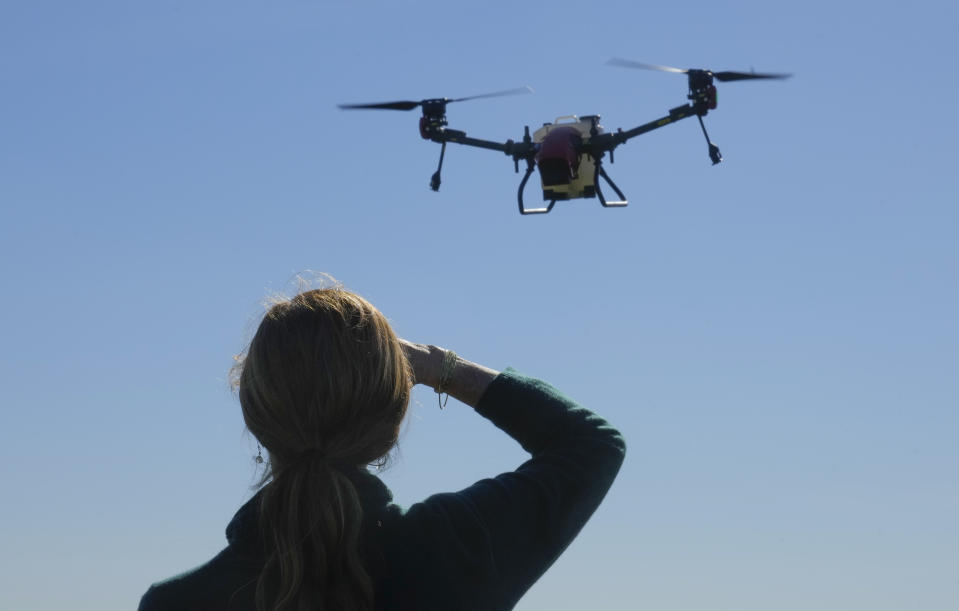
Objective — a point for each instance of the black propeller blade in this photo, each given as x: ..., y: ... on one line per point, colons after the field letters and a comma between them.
x: 742, y: 76
x: 410, y: 105
x: 384, y: 106
x: 719, y: 76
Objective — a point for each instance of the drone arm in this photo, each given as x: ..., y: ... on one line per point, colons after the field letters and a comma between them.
x: 518, y: 150
x: 460, y: 137
x: 675, y: 114
x: 607, y: 142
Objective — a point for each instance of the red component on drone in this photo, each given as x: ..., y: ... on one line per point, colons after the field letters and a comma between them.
x: 557, y: 157
x: 712, y: 96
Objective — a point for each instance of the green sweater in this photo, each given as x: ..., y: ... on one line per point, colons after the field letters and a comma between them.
x: 479, y: 548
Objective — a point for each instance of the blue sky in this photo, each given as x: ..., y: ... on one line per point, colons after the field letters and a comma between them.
x: 776, y: 336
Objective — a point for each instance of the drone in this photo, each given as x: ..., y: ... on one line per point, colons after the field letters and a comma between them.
x: 569, y: 152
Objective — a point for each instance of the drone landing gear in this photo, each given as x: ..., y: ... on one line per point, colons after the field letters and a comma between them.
x: 530, y: 166
x: 714, y: 155
x: 435, y: 179
x: 599, y: 171
x: 599, y: 192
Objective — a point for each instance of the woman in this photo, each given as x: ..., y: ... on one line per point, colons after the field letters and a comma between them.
x: 324, y: 388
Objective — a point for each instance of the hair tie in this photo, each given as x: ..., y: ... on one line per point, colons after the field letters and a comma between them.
x: 322, y: 456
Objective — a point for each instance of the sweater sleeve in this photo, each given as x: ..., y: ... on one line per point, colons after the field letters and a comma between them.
x: 516, y: 524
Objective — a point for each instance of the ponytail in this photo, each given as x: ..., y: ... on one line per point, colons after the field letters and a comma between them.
x: 310, y: 518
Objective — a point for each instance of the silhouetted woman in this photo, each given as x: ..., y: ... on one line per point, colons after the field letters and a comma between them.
x: 324, y: 388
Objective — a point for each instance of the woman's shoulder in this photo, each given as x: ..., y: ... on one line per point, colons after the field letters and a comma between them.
x: 227, y: 577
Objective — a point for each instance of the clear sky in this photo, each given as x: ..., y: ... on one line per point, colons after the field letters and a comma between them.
x: 776, y: 336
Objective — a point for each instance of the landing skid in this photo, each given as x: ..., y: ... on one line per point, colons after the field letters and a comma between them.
x: 599, y: 172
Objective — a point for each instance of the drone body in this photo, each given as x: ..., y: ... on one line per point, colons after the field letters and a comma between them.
x: 569, y: 152
x: 565, y: 171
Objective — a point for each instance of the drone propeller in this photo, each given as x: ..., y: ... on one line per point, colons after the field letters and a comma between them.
x: 719, y: 76
x: 496, y: 94
x: 383, y: 106
x: 410, y: 105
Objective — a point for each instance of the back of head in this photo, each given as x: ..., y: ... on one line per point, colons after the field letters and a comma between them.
x: 324, y: 387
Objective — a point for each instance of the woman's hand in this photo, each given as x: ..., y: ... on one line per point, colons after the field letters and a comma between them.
x: 465, y: 381
x: 426, y: 362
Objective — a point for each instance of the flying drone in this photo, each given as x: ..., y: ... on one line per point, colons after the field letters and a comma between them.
x: 569, y: 151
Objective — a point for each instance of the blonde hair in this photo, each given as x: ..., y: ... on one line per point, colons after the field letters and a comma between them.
x: 324, y: 387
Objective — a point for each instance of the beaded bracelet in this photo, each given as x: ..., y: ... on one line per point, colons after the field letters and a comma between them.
x: 449, y: 364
